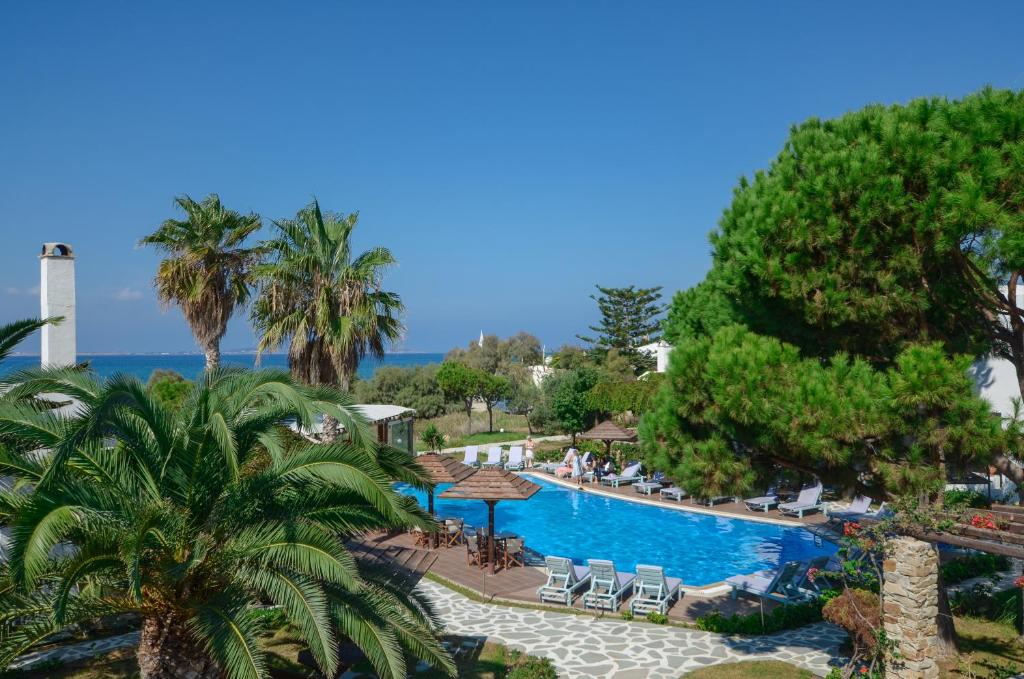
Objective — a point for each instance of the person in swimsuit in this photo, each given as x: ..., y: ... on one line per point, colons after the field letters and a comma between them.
x: 530, y: 445
x: 577, y: 468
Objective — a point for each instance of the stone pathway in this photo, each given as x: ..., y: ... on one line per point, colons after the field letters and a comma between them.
x: 79, y: 651
x: 585, y: 646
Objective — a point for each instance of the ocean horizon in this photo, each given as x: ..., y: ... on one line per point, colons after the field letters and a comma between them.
x: 191, y: 365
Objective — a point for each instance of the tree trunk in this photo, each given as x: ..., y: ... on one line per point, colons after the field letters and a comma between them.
x: 469, y: 417
x: 168, y: 651
x: 947, y: 632
x: 490, y: 418
x: 212, y: 352
x: 1005, y: 466
x: 330, y: 430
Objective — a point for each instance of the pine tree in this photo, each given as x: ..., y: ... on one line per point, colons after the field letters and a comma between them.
x: 629, y: 320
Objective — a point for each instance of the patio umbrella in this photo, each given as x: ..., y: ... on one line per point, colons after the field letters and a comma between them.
x: 441, y: 469
x: 491, y: 486
x: 608, y: 432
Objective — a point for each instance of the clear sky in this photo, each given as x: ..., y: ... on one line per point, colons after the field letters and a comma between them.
x: 511, y: 154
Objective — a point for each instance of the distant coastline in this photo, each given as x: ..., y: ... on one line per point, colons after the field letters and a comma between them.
x: 191, y: 365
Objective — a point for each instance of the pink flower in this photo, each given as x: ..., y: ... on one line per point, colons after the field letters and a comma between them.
x: 1019, y: 582
x: 812, y: 573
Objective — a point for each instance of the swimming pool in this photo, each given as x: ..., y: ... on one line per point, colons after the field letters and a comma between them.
x: 699, y: 548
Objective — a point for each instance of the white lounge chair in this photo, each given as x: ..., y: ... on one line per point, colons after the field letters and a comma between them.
x: 472, y: 452
x: 628, y: 475
x: 809, y: 500
x: 676, y: 493
x: 786, y: 584
x: 607, y: 586
x: 763, y: 503
x: 564, y: 579
x: 654, y: 592
x: 493, y: 457
x: 515, y: 458
x: 854, y: 511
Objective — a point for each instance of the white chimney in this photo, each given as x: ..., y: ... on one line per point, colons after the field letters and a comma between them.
x: 57, y: 298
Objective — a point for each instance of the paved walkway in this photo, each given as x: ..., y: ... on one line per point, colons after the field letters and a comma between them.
x: 585, y: 646
x: 79, y: 651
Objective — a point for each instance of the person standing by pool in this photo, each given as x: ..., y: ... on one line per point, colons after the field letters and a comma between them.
x: 530, y: 445
x: 577, y: 467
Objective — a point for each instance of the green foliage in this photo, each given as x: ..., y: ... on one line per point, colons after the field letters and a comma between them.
x: 657, y: 618
x: 491, y: 389
x: 635, y: 396
x: 169, y: 388
x: 885, y: 227
x: 972, y: 566
x: 413, y: 387
x: 208, y: 271
x: 627, y: 615
x: 323, y: 299
x: 980, y: 601
x: 460, y: 383
x: 530, y: 667
x: 570, y: 400
x: 780, y: 618
x: 737, y: 402
x: 194, y: 518
x: 497, y: 356
x: 432, y: 437
x: 628, y: 321
x: 966, y: 498
x: 13, y: 334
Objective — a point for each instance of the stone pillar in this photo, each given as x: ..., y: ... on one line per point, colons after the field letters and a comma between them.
x: 909, y: 609
x: 57, y: 298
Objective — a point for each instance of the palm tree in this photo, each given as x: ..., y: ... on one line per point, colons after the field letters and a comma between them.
x: 192, y: 518
x: 208, y: 270
x: 13, y: 334
x: 324, y: 300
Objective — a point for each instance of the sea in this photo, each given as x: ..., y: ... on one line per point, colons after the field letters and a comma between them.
x: 191, y: 365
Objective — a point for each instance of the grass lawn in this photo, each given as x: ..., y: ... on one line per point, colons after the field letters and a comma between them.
x: 454, y: 428
x: 987, y: 650
x: 751, y: 669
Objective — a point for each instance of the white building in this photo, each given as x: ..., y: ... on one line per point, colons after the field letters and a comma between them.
x: 659, y: 351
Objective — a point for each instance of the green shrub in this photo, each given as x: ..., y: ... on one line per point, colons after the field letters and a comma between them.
x: 981, y: 602
x: 169, y: 388
x: 969, y: 498
x: 971, y: 566
x: 529, y: 667
x: 657, y: 618
x: 779, y: 618
x: 627, y: 615
x: 432, y: 437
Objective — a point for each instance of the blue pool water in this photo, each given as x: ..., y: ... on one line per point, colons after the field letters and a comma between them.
x: 699, y: 548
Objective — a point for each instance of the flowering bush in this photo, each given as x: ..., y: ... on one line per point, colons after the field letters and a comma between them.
x: 1019, y: 582
x: 986, y: 521
x: 812, y: 573
x: 851, y: 528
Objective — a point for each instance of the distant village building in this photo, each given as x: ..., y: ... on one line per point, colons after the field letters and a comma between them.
x: 659, y: 352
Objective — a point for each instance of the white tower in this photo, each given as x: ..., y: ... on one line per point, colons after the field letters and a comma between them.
x: 57, y: 298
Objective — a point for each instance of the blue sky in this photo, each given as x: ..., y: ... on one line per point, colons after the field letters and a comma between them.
x: 512, y: 155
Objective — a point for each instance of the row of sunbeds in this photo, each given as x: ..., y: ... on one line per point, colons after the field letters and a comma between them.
x: 495, y: 458
x: 601, y: 586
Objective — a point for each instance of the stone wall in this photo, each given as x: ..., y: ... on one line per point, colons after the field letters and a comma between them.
x: 909, y: 609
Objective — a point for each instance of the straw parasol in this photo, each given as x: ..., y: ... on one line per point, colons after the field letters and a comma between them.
x: 608, y: 432
x: 441, y: 469
x: 491, y: 486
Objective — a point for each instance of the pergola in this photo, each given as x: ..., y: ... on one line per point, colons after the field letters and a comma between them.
x: 491, y: 486
x: 1008, y: 540
x: 441, y: 469
x: 608, y: 432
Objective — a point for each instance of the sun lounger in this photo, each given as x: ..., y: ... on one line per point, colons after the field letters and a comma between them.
x: 654, y: 592
x: 630, y: 474
x: 493, y: 457
x: 564, y: 580
x: 607, y: 586
x: 515, y: 458
x: 674, y: 493
x: 646, y: 487
x: 471, y: 454
x: 809, y: 500
x: 787, y: 584
x: 763, y: 503
x: 713, y: 500
x: 856, y: 510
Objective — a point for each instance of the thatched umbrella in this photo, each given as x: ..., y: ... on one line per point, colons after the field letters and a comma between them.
x: 608, y: 432
x: 491, y: 486
x: 441, y: 469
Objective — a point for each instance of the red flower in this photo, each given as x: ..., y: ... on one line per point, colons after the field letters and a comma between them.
x: 987, y: 521
x: 850, y: 528
x: 1019, y: 582
x: 812, y: 573
x: 863, y: 670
